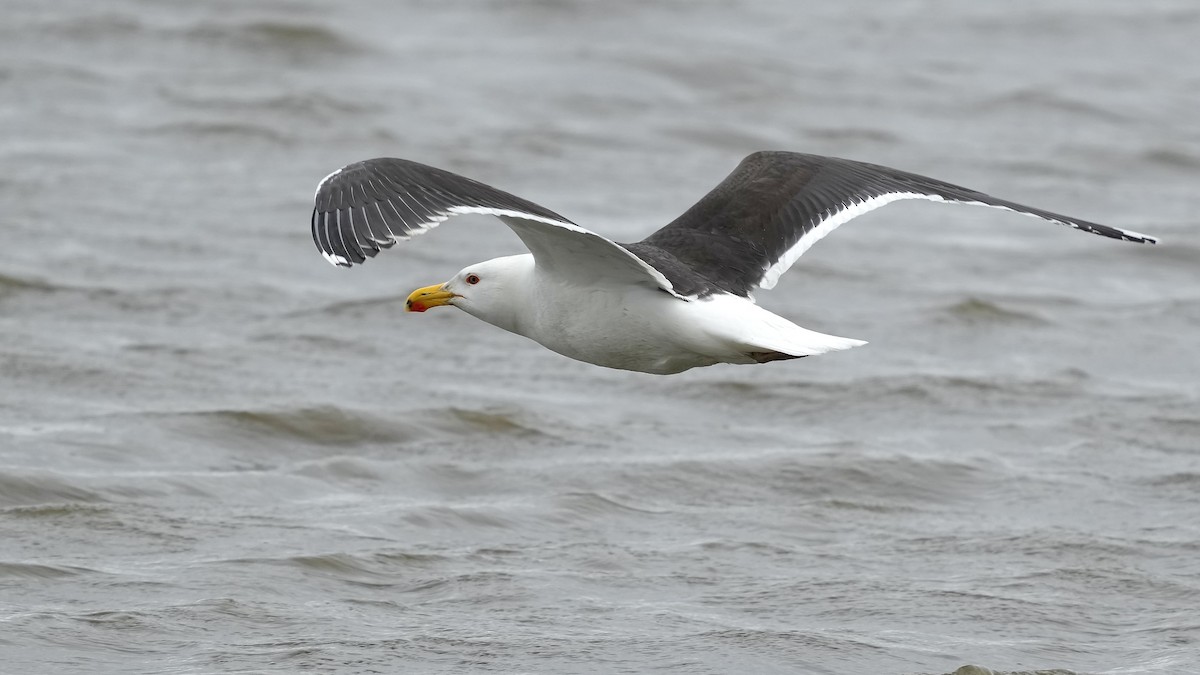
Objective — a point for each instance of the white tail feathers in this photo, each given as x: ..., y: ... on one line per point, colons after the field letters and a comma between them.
x: 778, y: 334
x: 805, y: 342
x: 746, y: 328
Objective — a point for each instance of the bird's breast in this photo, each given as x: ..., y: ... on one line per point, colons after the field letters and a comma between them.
x: 612, y: 328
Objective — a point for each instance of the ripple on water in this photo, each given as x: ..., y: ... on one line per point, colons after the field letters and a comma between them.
x: 393, y: 568
x: 1172, y: 159
x: 1182, y: 479
x: 490, y: 421
x: 934, y: 388
x: 223, y: 130
x: 872, y: 483
x: 849, y: 134
x: 118, y: 620
x: 982, y: 670
x: 42, y: 488
x: 436, y: 518
x: 341, y: 467
x: 330, y: 425
x: 976, y: 311
x: 54, y: 511
x: 1025, y: 99
x: 319, y: 425
x: 312, y: 105
x: 593, y: 504
x: 10, y: 285
x: 103, y: 26
x: 291, y: 39
x: 296, y: 38
x: 36, y: 571
x: 405, y: 571
x: 412, y: 577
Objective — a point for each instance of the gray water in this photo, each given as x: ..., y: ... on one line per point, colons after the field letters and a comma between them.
x: 218, y: 453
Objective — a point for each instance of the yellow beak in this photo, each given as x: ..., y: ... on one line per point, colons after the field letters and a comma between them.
x: 430, y: 296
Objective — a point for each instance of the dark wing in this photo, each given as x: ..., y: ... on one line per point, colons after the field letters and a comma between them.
x: 368, y: 206
x: 775, y: 205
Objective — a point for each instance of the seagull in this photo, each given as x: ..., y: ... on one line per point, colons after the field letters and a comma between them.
x: 678, y: 299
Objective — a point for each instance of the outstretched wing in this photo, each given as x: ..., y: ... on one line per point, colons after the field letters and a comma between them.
x: 775, y: 205
x: 370, y: 205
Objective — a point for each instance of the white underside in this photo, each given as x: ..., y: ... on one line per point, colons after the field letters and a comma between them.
x: 637, y: 328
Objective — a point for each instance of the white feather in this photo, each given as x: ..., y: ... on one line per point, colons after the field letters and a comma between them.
x: 855, y: 209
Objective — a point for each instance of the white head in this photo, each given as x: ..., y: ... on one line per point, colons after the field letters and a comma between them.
x: 494, y: 291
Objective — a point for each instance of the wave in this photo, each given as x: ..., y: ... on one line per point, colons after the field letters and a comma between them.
x: 975, y: 310
x: 10, y: 284
x: 311, y: 105
x: 829, y: 481
x: 980, y: 670
x: 591, y: 504
x: 17, y: 490
x: 286, y: 37
x: 1172, y: 159
x: 319, y: 425
x: 1026, y: 98
x: 405, y: 572
x: 929, y: 387
x: 289, y: 36
x: 223, y: 130
x: 36, y: 571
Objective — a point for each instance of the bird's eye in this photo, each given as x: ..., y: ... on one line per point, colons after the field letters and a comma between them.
x: 472, y: 279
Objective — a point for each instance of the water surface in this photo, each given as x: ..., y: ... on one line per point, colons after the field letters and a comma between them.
x: 220, y: 454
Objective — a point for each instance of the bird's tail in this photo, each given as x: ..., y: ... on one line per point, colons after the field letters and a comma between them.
x: 798, y: 341
x: 762, y: 335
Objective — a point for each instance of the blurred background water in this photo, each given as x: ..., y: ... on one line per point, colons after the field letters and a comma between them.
x: 220, y: 454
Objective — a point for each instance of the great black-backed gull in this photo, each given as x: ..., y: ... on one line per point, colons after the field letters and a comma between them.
x: 679, y: 298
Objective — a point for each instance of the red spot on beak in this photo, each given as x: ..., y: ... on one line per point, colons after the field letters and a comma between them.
x: 416, y: 307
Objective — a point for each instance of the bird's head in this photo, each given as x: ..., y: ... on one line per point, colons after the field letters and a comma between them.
x: 490, y: 290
